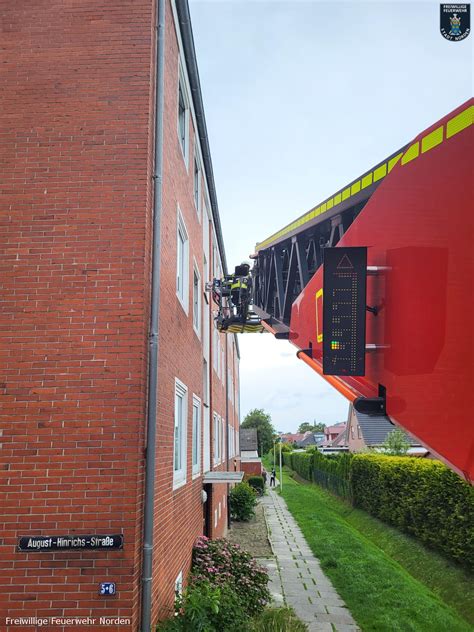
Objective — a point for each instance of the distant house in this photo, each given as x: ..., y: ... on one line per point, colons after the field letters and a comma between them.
x: 335, y: 435
x: 308, y: 439
x: 299, y: 439
x: 292, y: 437
x: 250, y: 462
x: 371, y: 431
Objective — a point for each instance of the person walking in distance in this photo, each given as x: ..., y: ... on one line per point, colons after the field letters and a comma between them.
x: 272, y: 478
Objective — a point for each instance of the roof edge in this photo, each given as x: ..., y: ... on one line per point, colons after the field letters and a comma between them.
x: 184, y: 18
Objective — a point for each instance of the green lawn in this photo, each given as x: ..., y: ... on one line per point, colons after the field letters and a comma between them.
x: 389, y: 581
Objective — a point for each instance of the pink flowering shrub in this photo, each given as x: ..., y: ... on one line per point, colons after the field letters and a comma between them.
x: 222, y: 563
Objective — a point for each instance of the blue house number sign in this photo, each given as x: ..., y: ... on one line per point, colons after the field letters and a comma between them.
x: 107, y: 588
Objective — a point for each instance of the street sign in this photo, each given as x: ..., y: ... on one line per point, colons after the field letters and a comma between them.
x: 36, y: 543
x: 344, y: 311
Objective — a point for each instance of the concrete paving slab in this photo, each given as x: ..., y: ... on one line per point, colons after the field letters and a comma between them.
x: 298, y: 574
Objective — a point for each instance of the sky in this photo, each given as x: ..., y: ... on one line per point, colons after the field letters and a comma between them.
x: 300, y: 99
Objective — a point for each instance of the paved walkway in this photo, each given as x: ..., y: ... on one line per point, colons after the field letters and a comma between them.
x: 296, y: 578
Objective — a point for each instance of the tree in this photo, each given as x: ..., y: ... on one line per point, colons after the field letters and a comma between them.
x: 259, y: 419
x: 305, y: 427
x: 396, y: 443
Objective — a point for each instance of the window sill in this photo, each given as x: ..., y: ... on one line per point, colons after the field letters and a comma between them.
x: 183, y: 305
x: 177, y: 484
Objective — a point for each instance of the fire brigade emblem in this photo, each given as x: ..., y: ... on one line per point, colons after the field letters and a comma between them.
x: 455, y: 21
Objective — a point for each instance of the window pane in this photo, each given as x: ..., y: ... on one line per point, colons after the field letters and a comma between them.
x: 195, y: 299
x: 195, y: 433
x: 196, y: 183
x: 180, y: 256
x: 182, y: 118
x: 178, y: 423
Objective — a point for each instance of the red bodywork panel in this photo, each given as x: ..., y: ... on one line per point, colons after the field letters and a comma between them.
x: 418, y: 223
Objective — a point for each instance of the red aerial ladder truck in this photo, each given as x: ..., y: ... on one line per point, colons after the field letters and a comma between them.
x: 387, y: 263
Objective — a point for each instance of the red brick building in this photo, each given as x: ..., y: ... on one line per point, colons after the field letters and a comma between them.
x: 105, y: 160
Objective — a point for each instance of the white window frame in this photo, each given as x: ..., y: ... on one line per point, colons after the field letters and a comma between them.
x: 197, y: 182
x: 223, y: 422
x: 217, y: 439
x: 196, y: 445
x: 206, y: 422
x: 183, y: 142
x: 231, y: 441
x: 179, y: 474
x: 182, y: 263
x: 197, y: 305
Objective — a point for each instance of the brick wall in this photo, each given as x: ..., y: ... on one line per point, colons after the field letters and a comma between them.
x: 77, y: 135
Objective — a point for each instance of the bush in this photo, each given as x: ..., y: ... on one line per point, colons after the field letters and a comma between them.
x: 242, y: 500
x: 301, y: 462
x: 332, y: 471
x: 256, y: 482
x: 419, y: 496
x: 207, y: 608
x: 222, y: 563
x: 278, y: 620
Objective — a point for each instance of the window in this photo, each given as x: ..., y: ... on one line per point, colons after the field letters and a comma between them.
x: 197, y: 183
x: 217, y: 439
x: 359, y: 436
x: 180, y: 419
x: 352, y: 432
x: 183, y: 118
x: 222, y: 447
x: 206, y: 423
x: 196, y: 301
x: 196, y: 452
x: 231, y: 442
x: 182, y: 263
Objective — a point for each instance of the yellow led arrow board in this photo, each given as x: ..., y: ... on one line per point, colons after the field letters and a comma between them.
x: 344, y: 309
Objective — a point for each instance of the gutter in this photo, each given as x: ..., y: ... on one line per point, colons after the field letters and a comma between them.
x: 184, y: 18
x: 152, y: 401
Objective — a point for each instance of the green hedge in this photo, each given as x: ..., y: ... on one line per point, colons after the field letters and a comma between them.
x: 333, y: 472
x: 301, y: 462
x: 419, y: 496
